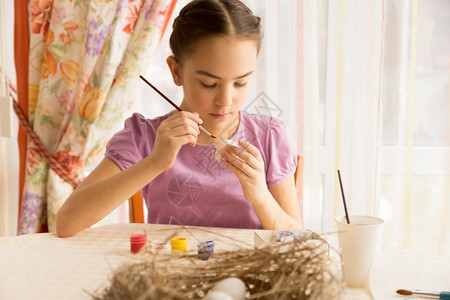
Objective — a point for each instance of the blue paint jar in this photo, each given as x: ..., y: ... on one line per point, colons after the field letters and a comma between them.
x: 205, y: 250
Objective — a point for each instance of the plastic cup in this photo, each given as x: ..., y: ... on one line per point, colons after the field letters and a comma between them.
x: 178, y: 245
x: 358, y: 243
x: 205, y: 250
x: 137, y: 242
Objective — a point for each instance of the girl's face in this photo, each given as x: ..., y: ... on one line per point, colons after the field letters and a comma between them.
x: 216, y: 80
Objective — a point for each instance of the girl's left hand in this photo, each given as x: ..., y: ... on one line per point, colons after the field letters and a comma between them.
x: 248, y: 166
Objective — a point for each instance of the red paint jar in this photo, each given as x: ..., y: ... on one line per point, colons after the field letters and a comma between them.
x: 137, y: 242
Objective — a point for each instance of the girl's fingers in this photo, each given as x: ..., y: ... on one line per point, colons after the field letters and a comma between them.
x: 187, y: 139
x: 250, y: 167
x: 181, y: 122
x: 236, y: 165
x: 252, y: 157
x: 183, y: 129
x: 185, y: 114
x: 250, y: 148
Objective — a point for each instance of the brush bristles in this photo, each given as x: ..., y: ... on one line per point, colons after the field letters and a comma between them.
x: 404, y: 292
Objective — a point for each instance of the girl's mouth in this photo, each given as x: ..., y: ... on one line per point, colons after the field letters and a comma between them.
x: 220, y: 116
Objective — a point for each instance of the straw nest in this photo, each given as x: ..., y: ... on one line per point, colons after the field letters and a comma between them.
x: 292, y: 270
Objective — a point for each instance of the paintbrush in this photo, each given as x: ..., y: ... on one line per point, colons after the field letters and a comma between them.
x: 343, y: 197
x: 173, y: 104
x: 441, y: 295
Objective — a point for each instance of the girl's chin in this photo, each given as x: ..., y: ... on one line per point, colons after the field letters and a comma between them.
x: 224, y: 129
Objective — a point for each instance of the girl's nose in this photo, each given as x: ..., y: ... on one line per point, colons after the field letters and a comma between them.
x: 224, y: 97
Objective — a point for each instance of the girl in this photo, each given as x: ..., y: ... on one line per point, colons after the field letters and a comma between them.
x: 215, y: 45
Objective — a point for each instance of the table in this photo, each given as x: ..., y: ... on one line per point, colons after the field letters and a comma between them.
x: 43, y: 266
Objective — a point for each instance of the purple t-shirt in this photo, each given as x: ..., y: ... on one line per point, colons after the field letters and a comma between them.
x: 198, y: 190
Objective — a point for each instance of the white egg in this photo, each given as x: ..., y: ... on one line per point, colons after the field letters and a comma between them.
x: 217, y: 295
x: 219, y: 147
x: 232, y: 286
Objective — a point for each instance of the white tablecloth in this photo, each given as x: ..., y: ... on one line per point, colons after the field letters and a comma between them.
x: 43, y: 266
x: 393, y: 270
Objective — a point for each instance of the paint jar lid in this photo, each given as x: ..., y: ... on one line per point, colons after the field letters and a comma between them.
x: 179, y: 241
x: 206, y: 245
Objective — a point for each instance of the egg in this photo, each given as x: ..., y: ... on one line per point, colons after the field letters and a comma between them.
x: 218, y: 148
x: 228, y: 288
x: 217, y: 295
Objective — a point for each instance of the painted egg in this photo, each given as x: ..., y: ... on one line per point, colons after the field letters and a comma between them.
x: 219, y: 147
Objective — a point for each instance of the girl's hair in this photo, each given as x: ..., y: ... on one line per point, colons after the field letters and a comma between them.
x: 207, y: 18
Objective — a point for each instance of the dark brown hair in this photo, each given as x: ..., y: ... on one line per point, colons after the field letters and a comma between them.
x: 207, y: 18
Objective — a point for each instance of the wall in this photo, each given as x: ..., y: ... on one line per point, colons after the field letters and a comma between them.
x: 9, y: 160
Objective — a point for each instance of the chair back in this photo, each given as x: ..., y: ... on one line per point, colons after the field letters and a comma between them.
x: 136, y: 208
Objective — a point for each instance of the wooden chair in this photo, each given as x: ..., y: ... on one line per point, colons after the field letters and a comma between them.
x: 136, y: 208
x: 136, y: 202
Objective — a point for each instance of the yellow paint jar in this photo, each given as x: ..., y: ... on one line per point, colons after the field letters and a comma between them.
x: 178, y: 245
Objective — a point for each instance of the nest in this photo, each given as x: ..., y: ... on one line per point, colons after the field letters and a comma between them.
x: 292, y: 270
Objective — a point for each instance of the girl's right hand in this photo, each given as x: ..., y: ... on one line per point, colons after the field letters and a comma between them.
x: 179, y: 129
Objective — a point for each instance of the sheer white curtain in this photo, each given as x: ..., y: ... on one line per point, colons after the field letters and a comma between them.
x: 386, y: 115
x: 321, y: 65
x: 415, y: 164
x: 364, y: 87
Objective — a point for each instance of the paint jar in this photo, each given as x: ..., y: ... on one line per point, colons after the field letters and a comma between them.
x: 284, y: 236
x: 159, y: 245
x: 205, y: 250
x: 179, y: 245
x: 137, y: 242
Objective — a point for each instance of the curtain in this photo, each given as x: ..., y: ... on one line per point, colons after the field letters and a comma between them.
x: 364, y: 88
x: 21, y: 54
x: 391, y: 117
x: 84, y: 61
x: 376, y: 108
x: 415, y: 157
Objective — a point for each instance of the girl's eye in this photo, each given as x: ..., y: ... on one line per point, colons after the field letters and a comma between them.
x: 238, y: 85
x: 208, y: 86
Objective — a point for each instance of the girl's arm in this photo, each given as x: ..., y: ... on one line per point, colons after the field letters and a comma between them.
x: 107, y: 186
x: 279, y: 209
x: 101, y: 192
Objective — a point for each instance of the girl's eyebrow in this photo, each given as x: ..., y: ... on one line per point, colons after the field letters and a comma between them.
x: 217, y: 77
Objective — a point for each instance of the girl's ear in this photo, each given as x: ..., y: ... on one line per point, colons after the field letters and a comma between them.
x: 175, y: 70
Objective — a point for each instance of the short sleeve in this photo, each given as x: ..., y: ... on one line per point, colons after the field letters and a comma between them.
x: 282, y: 160
x: 127, y: 146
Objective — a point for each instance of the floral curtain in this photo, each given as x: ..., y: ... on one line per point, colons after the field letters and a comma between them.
x: 85, y: 58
